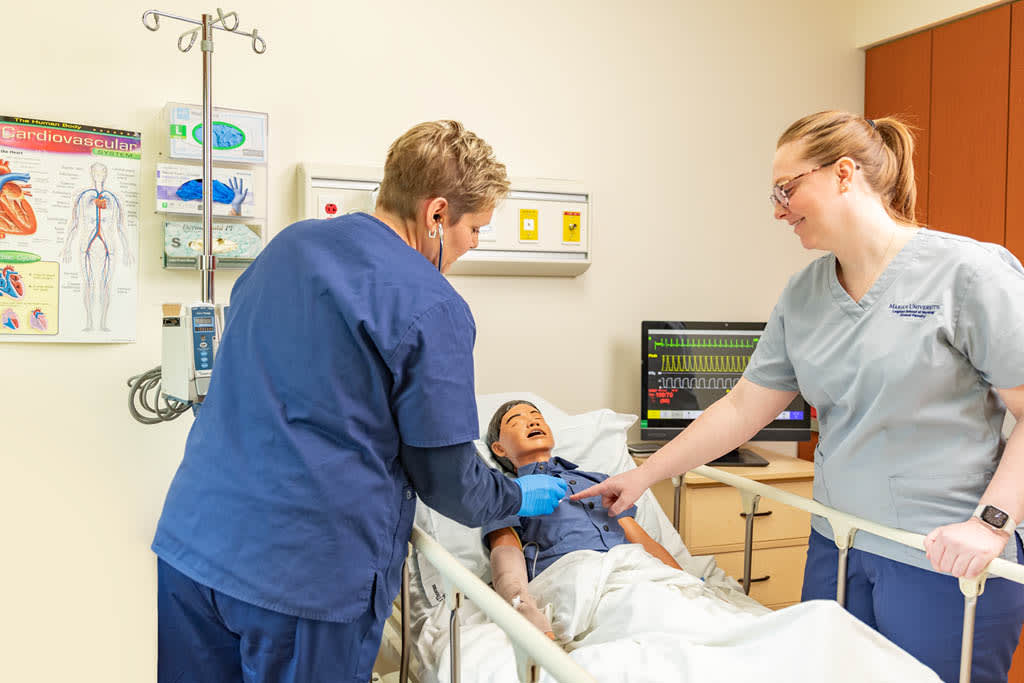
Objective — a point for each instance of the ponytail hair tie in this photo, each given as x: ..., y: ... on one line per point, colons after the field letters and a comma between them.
x: 871, y: 122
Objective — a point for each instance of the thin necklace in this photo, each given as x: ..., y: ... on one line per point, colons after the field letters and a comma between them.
x: 892, y: 238
x: 881, y: 268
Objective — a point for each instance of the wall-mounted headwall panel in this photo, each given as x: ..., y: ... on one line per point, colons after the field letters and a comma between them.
x: 543, y: 228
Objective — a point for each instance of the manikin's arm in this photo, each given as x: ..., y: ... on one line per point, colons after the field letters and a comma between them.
x: 636, y: 534
x: 508, y: 574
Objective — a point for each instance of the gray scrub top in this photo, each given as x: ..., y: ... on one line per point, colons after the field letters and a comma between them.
x: 903, y: 381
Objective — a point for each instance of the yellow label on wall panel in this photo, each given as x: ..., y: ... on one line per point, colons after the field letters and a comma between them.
x: 529, y: 227
x: 572, y: 227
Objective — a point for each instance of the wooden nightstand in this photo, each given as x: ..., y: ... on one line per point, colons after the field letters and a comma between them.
x: 712, y: 523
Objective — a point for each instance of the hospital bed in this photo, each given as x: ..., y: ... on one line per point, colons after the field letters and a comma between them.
x: 446, y: 573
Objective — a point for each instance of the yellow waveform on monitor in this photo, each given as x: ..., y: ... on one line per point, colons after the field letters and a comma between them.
x: 730, y: 364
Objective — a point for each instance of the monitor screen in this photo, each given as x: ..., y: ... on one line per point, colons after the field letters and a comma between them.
x: 687, y: 366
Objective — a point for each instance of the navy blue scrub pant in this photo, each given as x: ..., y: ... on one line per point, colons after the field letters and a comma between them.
x: 206, y: 636
x: 922, y: 611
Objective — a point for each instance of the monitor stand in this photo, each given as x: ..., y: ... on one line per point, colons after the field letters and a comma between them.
x: 739, y: 457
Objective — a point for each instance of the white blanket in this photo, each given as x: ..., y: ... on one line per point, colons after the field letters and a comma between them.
x: 626, y: 617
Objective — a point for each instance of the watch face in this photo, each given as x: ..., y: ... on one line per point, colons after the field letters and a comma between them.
x: 994, y: 516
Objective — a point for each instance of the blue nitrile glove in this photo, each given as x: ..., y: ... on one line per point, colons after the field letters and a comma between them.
x: 193, y: 189
x: 541, y: 494
x: 240, y: 194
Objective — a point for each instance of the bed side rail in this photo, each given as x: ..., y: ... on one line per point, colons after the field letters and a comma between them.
x: 844, y: 528
x: 533, y: 649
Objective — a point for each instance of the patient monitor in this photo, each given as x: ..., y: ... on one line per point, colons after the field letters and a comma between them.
x: 687, y: 366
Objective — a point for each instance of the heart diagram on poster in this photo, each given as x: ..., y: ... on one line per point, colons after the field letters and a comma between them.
x: 16, y: 214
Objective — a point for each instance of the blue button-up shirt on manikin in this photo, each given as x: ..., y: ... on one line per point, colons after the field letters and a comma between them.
x: 343, y: 383
x: 574, y: 525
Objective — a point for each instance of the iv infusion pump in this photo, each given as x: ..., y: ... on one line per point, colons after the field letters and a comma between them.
x: 190, y: 336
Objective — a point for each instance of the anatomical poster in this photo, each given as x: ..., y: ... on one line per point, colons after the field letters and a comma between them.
x: 69, y: 231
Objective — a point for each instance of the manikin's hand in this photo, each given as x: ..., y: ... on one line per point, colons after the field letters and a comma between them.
x: 964, y: 549
x: 240, y: 194
x: 618, y: 493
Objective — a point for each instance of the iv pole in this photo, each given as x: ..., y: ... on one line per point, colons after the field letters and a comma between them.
x: 148, y: 383
x: 207, y: 261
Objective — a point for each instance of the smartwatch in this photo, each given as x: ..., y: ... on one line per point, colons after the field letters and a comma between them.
x: 995, y: 518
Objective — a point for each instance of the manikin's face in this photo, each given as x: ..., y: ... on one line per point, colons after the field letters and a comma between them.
x: 525, y: 437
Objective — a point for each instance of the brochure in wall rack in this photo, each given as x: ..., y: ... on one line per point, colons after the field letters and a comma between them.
x: 234, y: 244
x: 238, y: 136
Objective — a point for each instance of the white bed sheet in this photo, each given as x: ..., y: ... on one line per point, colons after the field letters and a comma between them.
x: 626, y: 617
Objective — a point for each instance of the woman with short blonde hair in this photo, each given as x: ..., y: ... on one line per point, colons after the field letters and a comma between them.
x: 343, y: 388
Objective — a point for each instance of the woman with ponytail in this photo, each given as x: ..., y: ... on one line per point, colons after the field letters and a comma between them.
x: 910, y: 344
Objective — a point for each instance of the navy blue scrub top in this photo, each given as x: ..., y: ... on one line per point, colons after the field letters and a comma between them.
x: 574, y: 525
x: 346, y: 364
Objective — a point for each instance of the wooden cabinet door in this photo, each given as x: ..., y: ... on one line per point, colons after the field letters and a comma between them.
x: 1015, y: 152
x: 1015, y: 198
x: 969, y: 100
x: 897, y: 82
x: 1017, y: 667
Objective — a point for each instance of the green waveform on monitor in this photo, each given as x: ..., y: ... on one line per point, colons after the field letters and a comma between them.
x: 704, y: 343
x: 729, y: 364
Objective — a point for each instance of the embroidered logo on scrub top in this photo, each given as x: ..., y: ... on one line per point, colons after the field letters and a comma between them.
x: 914, y: 310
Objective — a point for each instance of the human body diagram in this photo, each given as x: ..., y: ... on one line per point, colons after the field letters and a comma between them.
x: 97, y: 215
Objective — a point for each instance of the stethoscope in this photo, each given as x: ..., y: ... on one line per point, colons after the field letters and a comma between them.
x: 438, y: 232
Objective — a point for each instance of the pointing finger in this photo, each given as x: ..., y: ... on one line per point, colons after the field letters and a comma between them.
x: 596, y: 490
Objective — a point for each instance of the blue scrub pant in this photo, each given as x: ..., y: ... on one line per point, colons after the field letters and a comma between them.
x: 206, y: 636
x: 922, y: 611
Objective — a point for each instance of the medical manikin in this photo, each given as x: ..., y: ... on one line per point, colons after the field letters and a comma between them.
x: 521, y: 548
x: 100, y: 214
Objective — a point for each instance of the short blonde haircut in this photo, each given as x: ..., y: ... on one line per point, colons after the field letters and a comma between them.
x: 884, y: 148
x: 441, y: 159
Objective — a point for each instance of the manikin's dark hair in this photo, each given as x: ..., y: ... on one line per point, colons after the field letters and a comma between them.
x: 494, y: 432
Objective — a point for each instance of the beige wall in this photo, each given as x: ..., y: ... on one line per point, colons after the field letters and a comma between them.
x: 878, y: 21
x: 666, y: 110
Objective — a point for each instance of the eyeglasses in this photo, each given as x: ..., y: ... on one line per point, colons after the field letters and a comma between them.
x: 780, y: 196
